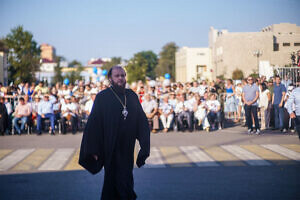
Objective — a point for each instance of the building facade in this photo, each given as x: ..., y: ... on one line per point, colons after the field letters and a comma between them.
x: 245, y: 50
x: 47, y: 52
x: 193, y: 64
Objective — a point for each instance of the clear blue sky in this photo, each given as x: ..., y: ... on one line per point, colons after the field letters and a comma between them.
x: 81, y: 29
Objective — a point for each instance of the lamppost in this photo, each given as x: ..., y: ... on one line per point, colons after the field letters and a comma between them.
x: 257, y: 54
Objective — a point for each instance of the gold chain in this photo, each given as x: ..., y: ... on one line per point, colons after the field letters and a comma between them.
x: 124, y: 106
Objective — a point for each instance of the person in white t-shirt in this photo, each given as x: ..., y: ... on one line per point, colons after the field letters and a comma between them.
x: 69, y: 113
x: 89, y: 104
x: 203, y: 88
x: 151, y: 110
x: 214, y: 111
x: 200, y: 112
x: 184, y: 110
x: 166, y: 113
x: 195, y: 88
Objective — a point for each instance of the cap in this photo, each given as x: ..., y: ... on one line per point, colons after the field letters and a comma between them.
x: 94, y: 91
x: 152, y: 83
x: 67, y: 97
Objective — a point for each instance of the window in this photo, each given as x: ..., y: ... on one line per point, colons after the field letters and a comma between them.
x: 275, y: 47
x: 286, y: 44
x: 296, y: 44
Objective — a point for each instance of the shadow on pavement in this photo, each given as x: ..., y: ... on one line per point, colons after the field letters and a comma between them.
x: 189, y: 183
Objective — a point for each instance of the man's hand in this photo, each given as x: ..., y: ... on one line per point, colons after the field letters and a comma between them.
x: 95, y: 157
x: 43, y: 116
x: 292, y: 115
x: 280, y: 105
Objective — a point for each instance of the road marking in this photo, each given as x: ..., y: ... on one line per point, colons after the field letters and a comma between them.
x: 269, y: 155
x: 33, y: 161
x: 57, y: 160
x: 293, y: 147
x: 283, y: 151
x: 174, y: 157
x: 15, y: 157
x: 73, y: 164
x: 196, y: 155
x: 245, y: 155
x: 4, y: 152
x: 222, y: 156
x: 155, y: 160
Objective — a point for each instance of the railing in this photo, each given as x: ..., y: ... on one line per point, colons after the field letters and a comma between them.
x: 292, y: 73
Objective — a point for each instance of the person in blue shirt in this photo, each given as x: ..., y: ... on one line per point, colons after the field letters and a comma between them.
x: 278, y: 103
x: 45, y: 111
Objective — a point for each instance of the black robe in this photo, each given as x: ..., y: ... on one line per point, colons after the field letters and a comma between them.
x: 112, y: 139
x: 3, y: 118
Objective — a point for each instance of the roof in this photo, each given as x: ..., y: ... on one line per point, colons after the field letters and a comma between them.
x: 96, y: 62
x: 45, y: 60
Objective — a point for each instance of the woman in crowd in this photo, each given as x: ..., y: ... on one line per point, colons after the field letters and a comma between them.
x: 230, y: 102
x: 200, y: 112
x: 265, y: 98
x: 239, y: 103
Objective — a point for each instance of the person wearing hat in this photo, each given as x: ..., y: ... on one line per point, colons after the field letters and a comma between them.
x: 89, y: 104
x: 45, y: 111
x: 69, y: 113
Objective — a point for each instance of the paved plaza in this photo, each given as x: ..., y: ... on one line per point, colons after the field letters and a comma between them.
x: 224, y: 164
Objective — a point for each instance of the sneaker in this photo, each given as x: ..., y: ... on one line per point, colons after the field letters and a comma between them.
x: 293, y: 130
x: 284, y: 130
x: 249, y: 131
x: 220, y: 128
x: 257, y: 132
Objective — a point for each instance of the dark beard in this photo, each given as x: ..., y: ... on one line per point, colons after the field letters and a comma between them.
x: 117, y: 88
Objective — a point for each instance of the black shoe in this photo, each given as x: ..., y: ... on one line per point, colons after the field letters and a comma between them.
x: 52, y: 133
x: 39, y: 133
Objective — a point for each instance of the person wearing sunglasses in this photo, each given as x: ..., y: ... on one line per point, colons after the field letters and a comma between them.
x: 250, y: 96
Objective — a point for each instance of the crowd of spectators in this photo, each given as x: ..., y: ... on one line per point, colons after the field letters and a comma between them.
x: 257, y: 104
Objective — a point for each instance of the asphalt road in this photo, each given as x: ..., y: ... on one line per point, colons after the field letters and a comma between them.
x: 210, y: 183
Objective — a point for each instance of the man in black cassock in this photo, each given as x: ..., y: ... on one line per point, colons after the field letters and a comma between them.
x: 3, y: 117
x: 116, y: 121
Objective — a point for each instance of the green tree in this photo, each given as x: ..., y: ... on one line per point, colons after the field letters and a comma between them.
x: 57, y: 70
x: 237, y: 74
x: 24, y: 55
x: 74, y: 74
x: 74, y: 63
x: 166, y: 63
x: 114, y: 61
x: 141, y: 65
